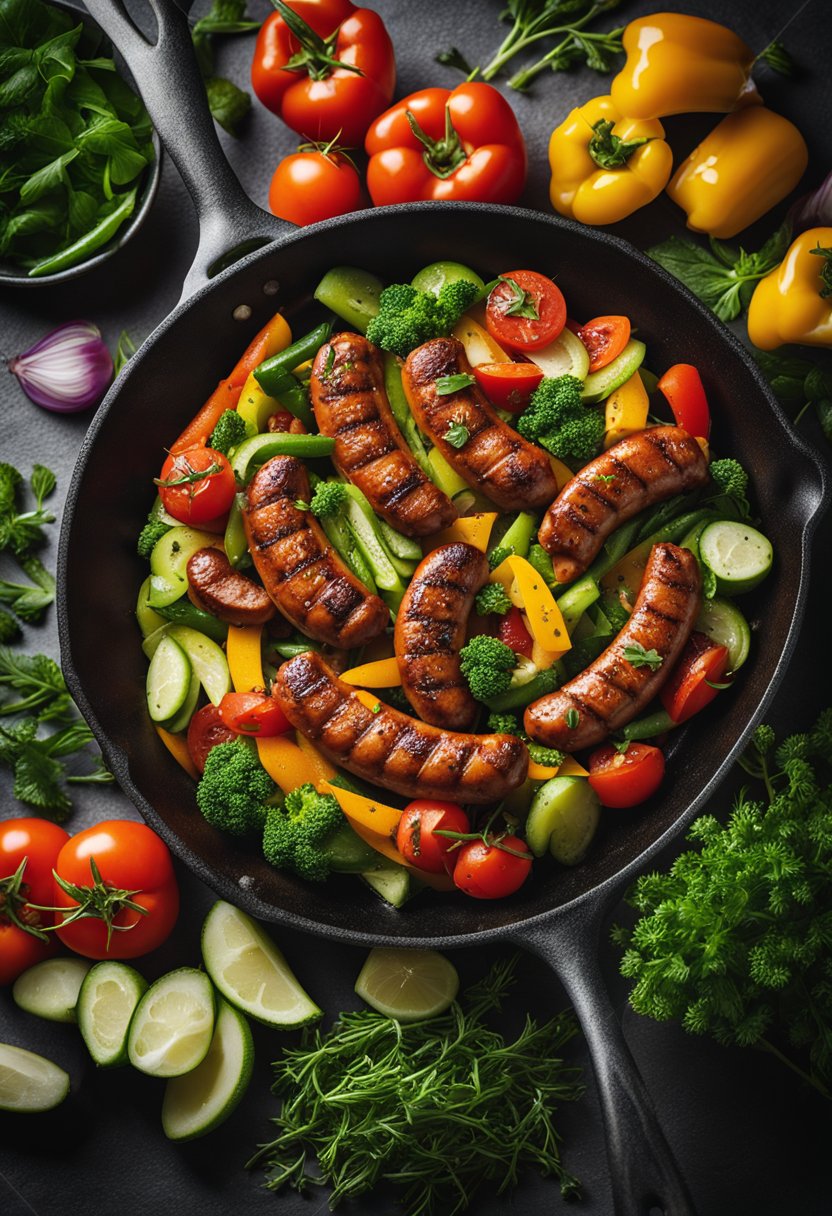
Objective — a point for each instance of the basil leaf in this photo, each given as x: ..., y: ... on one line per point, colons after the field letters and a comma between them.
x: 818, y: 385
x: 228, y: 104
x: 47, y: 178
x: 18, y: 88
x: 446, y: 385
x: 457, y: 435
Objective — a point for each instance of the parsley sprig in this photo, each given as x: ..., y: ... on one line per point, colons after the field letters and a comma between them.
x: 21, y: 531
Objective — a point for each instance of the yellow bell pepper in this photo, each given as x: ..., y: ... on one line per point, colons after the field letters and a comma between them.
x: 479, y: 346
x: 794, y: 302
x: 245, y: 661
x: 383, y: 673
x: 562, y: 472
x: 605, y: 166
x: 546, y: 621
x: 626, y: 410
x: 319, y: 768
x: 748, y: 163
x: 178, y: 748
x: 677, y: 64
x: 374, y: 822
x: 255, y: 407
x: 471, y: 529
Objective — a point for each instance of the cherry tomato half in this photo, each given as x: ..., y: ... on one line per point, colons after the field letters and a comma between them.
x: 512, y: 630
x: 416, y: 837
x: 685, y: 394
x: 314, y: 184
x: 508, y: 385
x: 487, y: 871
x: 206, y: 730
x: 253, y: 713
x: 38, y: 843
x: 623, y: 779
x: 690, y: 687
x: 525, y: 311
x: 604, y: 339
x: 197, y: 485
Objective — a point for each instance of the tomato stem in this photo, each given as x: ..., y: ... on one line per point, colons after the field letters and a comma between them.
x: 316, y: 54
x: 14, y: 907
x: 611, y: 151
x: 101, y: 901
x: 442, y: 156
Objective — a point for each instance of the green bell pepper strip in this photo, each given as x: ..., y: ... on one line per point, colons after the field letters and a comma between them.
x: 271, y: 373
x: 649, y: 726
x: 256, y: 451
x: 183, y: 612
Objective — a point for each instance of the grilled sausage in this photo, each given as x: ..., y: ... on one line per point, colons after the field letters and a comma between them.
x: 350, y: 403
x: 508, y: 469
x: 634, y: 473
x: 300, y: 570
x: 430, y: 630
x: 390, y: 748
x: 216, y: 587
x: 613, y: 690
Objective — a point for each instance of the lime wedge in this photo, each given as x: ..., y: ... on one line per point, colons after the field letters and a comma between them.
x: 173, y: 1024
x: 250, y: 971
x: 407, y: 984
x: 50, y: 989
x: 202, y: 1099
x: 28, y: 1082
x: 106, y: 1004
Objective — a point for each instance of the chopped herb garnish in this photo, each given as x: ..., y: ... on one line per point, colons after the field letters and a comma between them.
x: 446, y: 385
x: 522, y: 302
x: 572, y: 719
x: 637, y: 656
x: 457, y: 434
x: 621, y: 746
x: 604, y: 477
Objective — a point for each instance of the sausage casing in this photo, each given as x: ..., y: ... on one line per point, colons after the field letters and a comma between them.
x: 494, y: 459
x: 430, y: 631
x: 300, y: 570
x: 612, y: 690
x: 635, y: 473
x: 216, y: 587
x: 390, y: 748
x: 350, y: 403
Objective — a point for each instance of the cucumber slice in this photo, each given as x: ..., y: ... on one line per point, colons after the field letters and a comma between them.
x: 148, y: 619
x: 563, y: 818
x: 182, y: 718
x: 364, y: 526
x: 518, y: 535
x: 29, y: 1083
x: 183, y: 612
x: 352, y: 294
x: 250, y: 971
x: 725, y: 624
x: 445, y: 475
x: 566, y: 356
x: 348, y: 853
x: 168, y: 680
x: 169, y: 560
x: 691, y: 539
x: 434, y: 277
x: 173, y: 1024
x: 50, y: 989
x: 338, y: 534
x: 256, y: 451
x: 201, y: 1100
x: 106, y: 1004
x: 599, y: 385
x: 407, y: 549
x: 391, y: 882
x: 207, y: 660
x: 738, y: 555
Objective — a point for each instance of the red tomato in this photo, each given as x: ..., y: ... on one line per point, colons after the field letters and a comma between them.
x: 313, y: 185
x: 689, y: 689
x: 604, y: 339
x: 521, y: 292
x: 416, y: 839
x: 512, y: 630
x: 488, y: 871
x: 196, y: 485
x: 253, y: 713
x: 34, y: 845
x: 508, y: 385
x: 626, y: 778
x: 206, y: 730
x: 685, y: 394
x: 135, y: 865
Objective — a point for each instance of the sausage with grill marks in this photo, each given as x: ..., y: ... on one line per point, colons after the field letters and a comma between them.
x: 390, y: 748
x: 351, y: 406
x: 494, y: 459
x: 637, y: 472
x: 301, y: 572
x: 216, y: 587
x: 430, y: 631
x: 612, y: 690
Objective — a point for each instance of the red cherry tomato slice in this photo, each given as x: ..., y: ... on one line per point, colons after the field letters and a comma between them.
x: 205, y: 731
x: 525, y: 311
x: 197, y: 485
x: 604, y: 339
x: 487, y: 871
x: 685, y: 394
x: 416, y: 837
x: 622, y: 779
x: 690, y: 687
x: 512, y: 630
x: 508, y: 385
x: 253, y: 713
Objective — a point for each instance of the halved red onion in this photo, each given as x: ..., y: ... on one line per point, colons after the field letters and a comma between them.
x: 813, y: 210
x: 68, y: 370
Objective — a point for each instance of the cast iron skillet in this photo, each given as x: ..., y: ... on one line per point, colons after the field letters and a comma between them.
x: 558, y: 915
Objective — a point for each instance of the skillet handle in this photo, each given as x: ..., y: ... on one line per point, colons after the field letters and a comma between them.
x: 168, y: 78
x: 645, y: 1178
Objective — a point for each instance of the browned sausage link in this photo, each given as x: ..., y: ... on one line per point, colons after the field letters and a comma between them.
x: 300, y: 570
x: 390, y: 748
x: 216, y: 587
x: 430, y: 630
x: 634, y: 473
x: 512, y: 472
x: 350, y: 403
x: 612, y: 691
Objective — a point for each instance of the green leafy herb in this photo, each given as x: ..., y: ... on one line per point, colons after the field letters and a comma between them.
x: 777, y: 58
x: 21, y: 531
x: 604, y: 477
x: 38, y: 680
x: 437, y: 1108
x: 188, y: 475
x: 637, y: 656
x: 522, y: 302
x: 825, y: 270
x: 572, y: 719
x: 621, y: 746
x: 39, y: 764
x: 228, y: 103
x: 125, y: 350
x: 611, y: 151
x: 446, y: 385
x: 457, y: 434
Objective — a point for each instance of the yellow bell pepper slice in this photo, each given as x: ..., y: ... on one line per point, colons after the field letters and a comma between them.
x: 471, y: 529
x: 245, y: 661
x: 366, y: 698
x: 543, y: 659
x: 571, y: 768
x: 479, y: 346
x: 374, y: 822
x: 255, y: 407
x: 628, y: 572
x: 788, y: 304
x: 384, y: 673
x: 562, y: 472
x: 626, y: 410
x: 178, y: 748
x: 320, y: 769
x: 545, y: 618
x: 541, y: 772
x: 284, y: 761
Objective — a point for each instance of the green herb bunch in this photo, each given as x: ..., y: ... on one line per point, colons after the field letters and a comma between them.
x: 228, y: 103
x: 21, y: 532
x: 435, y: 1108
x: 735, y: 940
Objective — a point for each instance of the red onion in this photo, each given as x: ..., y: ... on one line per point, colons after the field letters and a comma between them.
x: 813, y: 210
x: 67, y: 370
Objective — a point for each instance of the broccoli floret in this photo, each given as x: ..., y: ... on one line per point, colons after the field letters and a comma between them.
x: 329, y: 499
x: 9, y: 627
x: 487, y: 664
x: 234, y: 789
x: 504, y: 724
x: 492, y: 598
x: 577, y: 439
x: 228, y: 433
x: 295, y: 834
x: 554, y: 402
x: 550, y: 757
x: 763, y: 739
x: 615, y: 612
x: 407, y: 317
x: 731, y: 479
x: 498, y: 555
x: 541, y: 563
x: 509, y: 724
x: 153, y: 530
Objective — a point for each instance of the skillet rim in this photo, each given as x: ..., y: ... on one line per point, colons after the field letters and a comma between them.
x: 599, y: 894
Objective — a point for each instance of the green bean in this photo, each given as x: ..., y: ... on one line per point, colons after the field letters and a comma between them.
x: 271, y: 373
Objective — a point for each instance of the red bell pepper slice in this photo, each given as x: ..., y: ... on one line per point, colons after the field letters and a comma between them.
x: 682, y: 387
